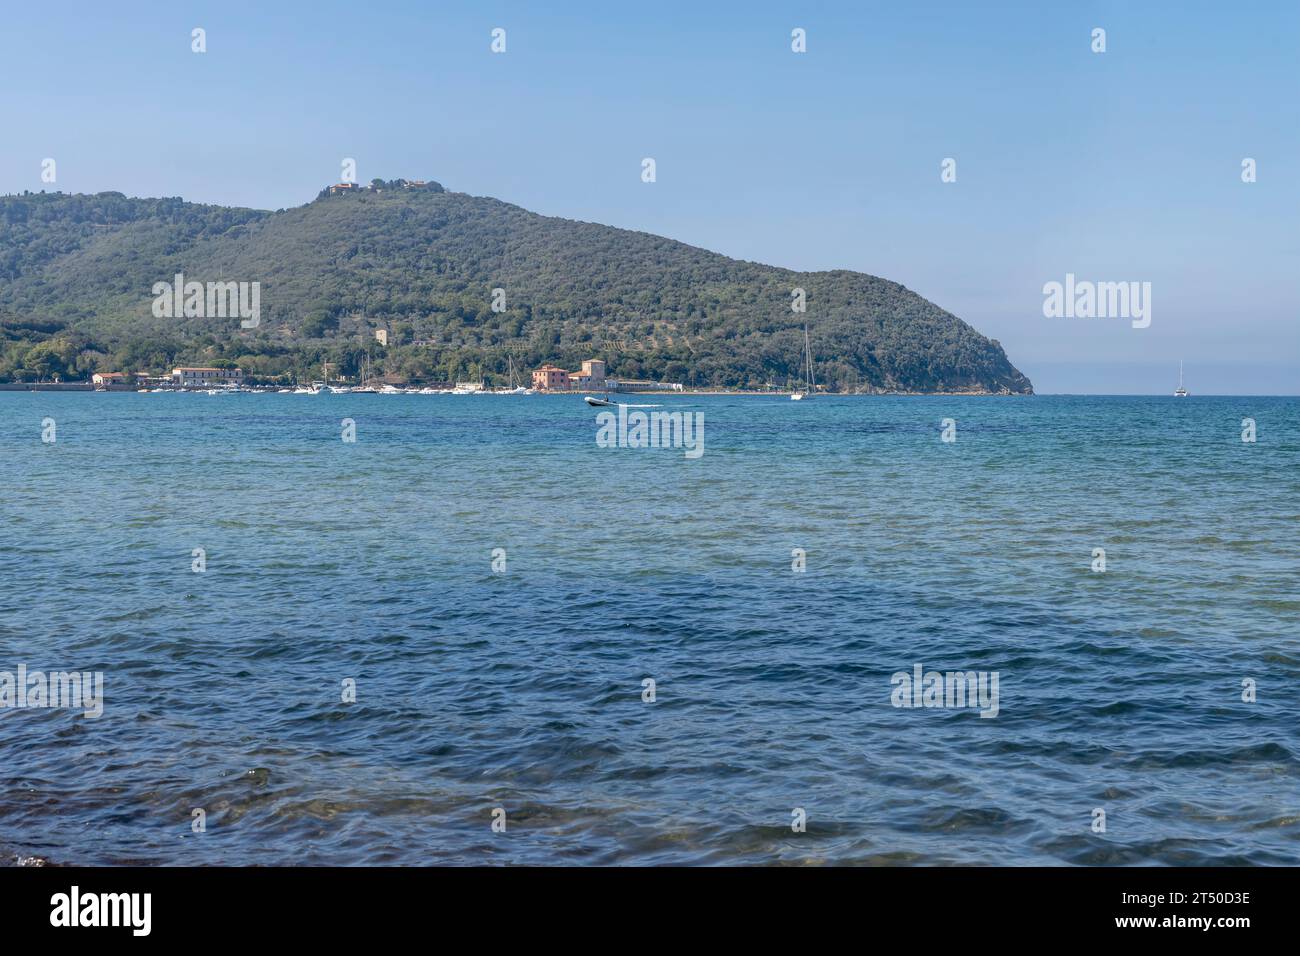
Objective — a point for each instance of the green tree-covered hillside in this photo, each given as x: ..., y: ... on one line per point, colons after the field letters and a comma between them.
x: 77, y: 274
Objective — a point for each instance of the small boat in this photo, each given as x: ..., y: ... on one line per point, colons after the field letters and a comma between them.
x: 1180, y: 392
x: 599, y: 402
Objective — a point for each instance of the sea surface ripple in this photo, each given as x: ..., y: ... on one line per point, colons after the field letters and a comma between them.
x: 372, y: 561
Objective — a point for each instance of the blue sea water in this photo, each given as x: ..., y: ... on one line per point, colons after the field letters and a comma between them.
x: 372, y: 562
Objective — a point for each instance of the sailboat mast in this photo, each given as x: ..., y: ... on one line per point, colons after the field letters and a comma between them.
x: 807, y: 351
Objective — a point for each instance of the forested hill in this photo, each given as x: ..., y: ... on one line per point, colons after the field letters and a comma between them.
x: 77, y: 274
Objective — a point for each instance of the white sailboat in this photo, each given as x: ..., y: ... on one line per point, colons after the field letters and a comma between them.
x: 1180, y: 392
x: 514, y: 388
x: 808, y: 376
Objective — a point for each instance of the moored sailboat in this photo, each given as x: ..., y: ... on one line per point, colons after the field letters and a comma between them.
x: 797, y: 396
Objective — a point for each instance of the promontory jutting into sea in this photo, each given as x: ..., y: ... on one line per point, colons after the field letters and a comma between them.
x: 405, y: 285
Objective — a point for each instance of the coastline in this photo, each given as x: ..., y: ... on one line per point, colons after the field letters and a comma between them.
x: 87, y: 387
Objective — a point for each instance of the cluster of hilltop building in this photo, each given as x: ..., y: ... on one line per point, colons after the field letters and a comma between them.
x: 379, y: 185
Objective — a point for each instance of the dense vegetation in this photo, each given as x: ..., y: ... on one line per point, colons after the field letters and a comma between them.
x: 76, y: 274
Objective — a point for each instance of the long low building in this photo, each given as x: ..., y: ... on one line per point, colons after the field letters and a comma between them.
x: 201, y: 377
x: 627, y: 385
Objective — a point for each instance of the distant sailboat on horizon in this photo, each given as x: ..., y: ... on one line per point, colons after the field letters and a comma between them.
x: 798, y: 396
x: 1180, y: 392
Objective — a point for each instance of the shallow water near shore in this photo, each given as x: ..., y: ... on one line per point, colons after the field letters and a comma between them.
x: 371, y: 561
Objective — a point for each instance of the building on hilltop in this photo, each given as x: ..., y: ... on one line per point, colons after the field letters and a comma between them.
x: 379, y: 185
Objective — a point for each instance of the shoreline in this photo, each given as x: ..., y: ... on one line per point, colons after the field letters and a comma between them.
x: 275, y: 389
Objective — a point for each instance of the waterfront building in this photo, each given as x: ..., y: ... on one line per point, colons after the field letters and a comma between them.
x: 200, y: 377
x: 593, y: 370
x: 550, y: 378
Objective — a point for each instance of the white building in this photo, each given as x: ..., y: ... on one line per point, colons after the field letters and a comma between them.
x: 199, y: 377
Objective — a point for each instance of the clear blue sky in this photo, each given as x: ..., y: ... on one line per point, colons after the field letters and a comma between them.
x: 1116, y: 166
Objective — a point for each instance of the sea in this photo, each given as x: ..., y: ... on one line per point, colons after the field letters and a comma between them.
x: 476, y: 634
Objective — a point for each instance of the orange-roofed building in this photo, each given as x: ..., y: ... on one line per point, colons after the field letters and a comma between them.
x: 550, y: 377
